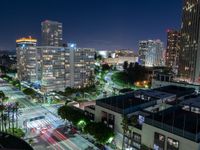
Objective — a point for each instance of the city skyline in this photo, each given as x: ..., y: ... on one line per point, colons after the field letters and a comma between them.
x: 105, y: 28
x: 100, y: 75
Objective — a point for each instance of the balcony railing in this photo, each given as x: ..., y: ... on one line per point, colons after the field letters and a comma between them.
x: 174, y: 130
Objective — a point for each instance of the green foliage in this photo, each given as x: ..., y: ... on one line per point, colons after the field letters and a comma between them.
x: 136, y: 73
x: 69, y: 91
x: 7, y: 78
x: 97, y: 57
x: 17, y: 132
x: 120, y: 78
x: 133, y: 120
x: 2, y: 95
x: 133, y: 72
x: 7, y: 70
x: 81, y: 124
x: 16, y: 83
x: 12, y: 81
x: 100, y: 132
x: 55, y: 101
x: 71, y: 114
x: 125, y: 65
x: 105, y: 67
x: 29, y: 91
x: 97, y: 69
x: 144, y: 147
x: 125, y: 124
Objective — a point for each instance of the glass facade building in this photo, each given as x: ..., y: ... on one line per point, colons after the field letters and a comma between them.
x: 151, y: 53
x: 173, y: 48
x: 189, y: 63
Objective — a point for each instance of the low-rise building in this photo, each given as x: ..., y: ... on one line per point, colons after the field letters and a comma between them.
x: 140, y: 104
x: 120, y: 60
x: 163, y: 79
x: 112, y: 111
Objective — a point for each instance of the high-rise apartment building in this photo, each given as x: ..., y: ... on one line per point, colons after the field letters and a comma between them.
x: 189, y: 63
x: 81, y: 62
x: 151, y: 53
x: 52, y: 69
x: 52, y: 33
x: 56, y: 67
x: 173, y: 48
x: 27, y: 65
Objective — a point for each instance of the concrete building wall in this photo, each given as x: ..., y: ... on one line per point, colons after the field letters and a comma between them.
x: 120, y: 60
x: 118, y: 117
x: 148, y: 138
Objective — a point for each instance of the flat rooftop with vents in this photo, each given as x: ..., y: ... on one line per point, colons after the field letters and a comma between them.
x: 178, y: 121
x: 125, y: 104
x: 177, y: 90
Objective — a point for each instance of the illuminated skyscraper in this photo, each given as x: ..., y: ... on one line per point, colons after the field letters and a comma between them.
x: 189, y: 63
x: 151, y: 53
x: 81, y: 65
x: 55, y: 68
x: 173, y: 48
x: 27, y: 65
x: 52, y: 33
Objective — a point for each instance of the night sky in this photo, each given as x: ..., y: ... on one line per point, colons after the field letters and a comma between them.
x: 100, y: 24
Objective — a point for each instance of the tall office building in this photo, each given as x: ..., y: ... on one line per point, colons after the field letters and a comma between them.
x: 189, y: 63
x: 27, y: 65
x: 151, y: 53
x: 173, y: 48
x: 52, y: 33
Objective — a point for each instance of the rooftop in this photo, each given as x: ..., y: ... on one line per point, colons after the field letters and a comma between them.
x: 125, y: 104
x: 27, y: 39
x: 177, y: 90
x: 177, y: 121
x: 193, y: 102
x: 155, y: 93
x: 157, y: 108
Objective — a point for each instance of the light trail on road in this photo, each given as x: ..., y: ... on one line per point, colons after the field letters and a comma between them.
x: 55, y: 140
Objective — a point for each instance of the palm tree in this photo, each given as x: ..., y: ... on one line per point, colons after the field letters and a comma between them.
x: 16, y: 111
x: 133, y: 122
x: 2, y: 110
x: 8, y: 114
x: 13, y: 114
x: 2, y: 96
x: 125, y: 129
x: 5, y: 122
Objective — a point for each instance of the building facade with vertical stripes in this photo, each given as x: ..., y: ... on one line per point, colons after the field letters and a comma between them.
x: 189, y: 62
x: 173, y: 48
